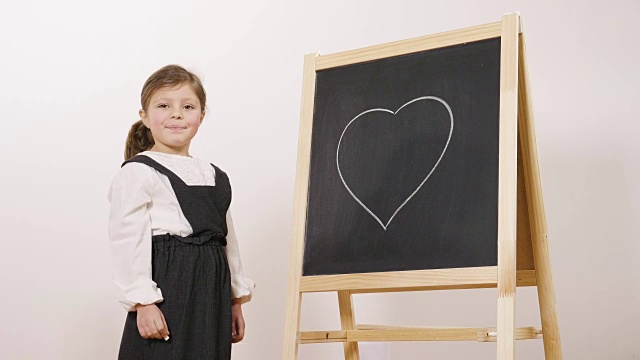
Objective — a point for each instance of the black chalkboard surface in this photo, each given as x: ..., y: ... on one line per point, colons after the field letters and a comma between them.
x: 404, y: 163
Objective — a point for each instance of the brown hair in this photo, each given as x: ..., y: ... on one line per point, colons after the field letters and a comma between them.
x: 170, y: 76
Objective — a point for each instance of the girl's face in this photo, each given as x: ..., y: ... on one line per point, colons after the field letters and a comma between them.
x: 173, y: 116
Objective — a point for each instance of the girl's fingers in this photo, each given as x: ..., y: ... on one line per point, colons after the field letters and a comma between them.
x: 164, y: 321
x: 149, y: 329
x: 240, y: 327
x: 155, y: 331
x: 162, y: 328
x: 238, y: 330
x: 144, y: 330
x: 142, y: 327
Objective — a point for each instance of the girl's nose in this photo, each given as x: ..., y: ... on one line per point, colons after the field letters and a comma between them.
x: 176, y: 115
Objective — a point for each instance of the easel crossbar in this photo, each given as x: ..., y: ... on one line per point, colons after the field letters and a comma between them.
x: 373, y: 333
x: 419, y: 280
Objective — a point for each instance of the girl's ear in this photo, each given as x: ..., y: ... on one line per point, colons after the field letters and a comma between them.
x: 202, y: 116
x: 143, y: 117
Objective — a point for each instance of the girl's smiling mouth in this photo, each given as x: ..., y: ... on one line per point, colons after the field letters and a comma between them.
x: 176, y: 128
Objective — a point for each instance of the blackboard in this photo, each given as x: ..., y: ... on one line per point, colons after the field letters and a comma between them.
x: 404, y: 163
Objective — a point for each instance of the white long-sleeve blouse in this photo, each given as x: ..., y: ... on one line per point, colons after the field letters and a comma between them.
x: 144, y: 204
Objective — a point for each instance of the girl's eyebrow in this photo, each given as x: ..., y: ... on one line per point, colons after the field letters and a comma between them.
x: 182, y: 100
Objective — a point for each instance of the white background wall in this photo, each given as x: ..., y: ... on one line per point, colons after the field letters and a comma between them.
x: 71, y: 73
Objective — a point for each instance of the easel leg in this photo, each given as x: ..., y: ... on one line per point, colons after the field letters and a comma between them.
x: 540, y: 247
x: 291, y: 328
x: 507, y: 187
x: 348, y: 322
x: 294, y: 296
x: 547, y: 300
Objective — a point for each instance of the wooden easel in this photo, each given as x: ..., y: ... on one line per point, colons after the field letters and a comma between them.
x: 524, y: 262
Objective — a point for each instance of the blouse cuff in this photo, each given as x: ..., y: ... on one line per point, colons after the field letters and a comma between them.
x: 242, y: 288
x: 143, y: 292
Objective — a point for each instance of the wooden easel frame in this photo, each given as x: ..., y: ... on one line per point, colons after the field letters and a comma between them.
x: 524, y: 262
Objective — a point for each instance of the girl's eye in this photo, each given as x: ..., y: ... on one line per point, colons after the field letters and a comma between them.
x: 162, y: 105
x: 190, y: 107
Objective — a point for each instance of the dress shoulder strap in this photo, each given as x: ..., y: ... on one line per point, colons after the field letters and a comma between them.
x: 143, y: 159
x: 224, y: 189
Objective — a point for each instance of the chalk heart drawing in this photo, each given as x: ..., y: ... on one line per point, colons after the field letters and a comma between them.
x: 424, y: 98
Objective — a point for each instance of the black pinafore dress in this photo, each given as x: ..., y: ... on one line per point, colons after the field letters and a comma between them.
x: 194, y: 277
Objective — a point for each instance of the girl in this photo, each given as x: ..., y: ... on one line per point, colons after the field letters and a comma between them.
x: 171, y: 234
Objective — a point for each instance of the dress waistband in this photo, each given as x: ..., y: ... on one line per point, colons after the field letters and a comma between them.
x: 213, y: 239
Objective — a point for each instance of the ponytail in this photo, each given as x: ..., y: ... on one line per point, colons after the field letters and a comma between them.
x: 138, y: 140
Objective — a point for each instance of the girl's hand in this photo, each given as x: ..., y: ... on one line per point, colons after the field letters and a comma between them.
x: 237, y: 321
x: 151, y: 322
